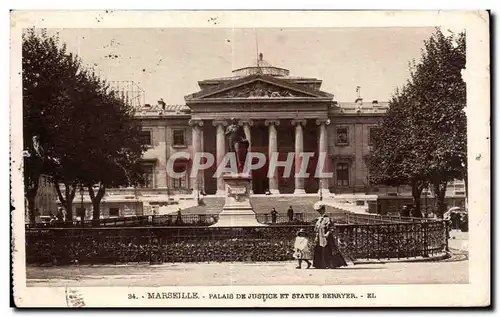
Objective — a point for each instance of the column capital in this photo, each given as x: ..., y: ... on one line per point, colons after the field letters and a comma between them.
x: 322, y: 121
x: 196, y: 123
x: 248, y: 122
x: 272, y: 122
x: 299, y: 121
x: 219, y: 122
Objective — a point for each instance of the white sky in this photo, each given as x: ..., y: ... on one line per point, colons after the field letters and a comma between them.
x: 167, y: 63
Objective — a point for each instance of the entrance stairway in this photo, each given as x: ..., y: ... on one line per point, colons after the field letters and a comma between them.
x: 262, y: 204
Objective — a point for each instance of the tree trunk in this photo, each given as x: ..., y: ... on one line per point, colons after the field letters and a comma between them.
x: 439, y: 194
x: 417, y: 187
x: 67, y: 199
x: 96, y: 201
x: 96, y: 210
x: 30, y: 197
x: 32, y: 175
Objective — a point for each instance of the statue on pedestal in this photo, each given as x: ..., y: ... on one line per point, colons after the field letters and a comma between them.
x: 237, y: 210
x: 238, y: 143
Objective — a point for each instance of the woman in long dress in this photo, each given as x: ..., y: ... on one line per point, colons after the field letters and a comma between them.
x: 326, y: 251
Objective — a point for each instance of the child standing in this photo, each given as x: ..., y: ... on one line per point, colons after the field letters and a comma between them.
x: 302, y: 251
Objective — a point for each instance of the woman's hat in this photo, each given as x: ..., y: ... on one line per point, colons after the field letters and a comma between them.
x: 301, y: 231
x: 318, y: 205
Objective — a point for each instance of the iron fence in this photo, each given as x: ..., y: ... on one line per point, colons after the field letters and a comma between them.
x: 136, y: 221
x: 154, y: 244
x: 210, y: 219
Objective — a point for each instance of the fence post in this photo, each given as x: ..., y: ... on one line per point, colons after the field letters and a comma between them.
x: 150, y: 246
x: 425, y: 226
x: 447, y: 234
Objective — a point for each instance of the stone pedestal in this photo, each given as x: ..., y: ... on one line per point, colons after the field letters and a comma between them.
x: 237, y: 210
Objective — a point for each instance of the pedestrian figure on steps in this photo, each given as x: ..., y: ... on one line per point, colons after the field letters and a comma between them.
x: 289, y: 213
x: 274, y: 215
x: 179, y: 221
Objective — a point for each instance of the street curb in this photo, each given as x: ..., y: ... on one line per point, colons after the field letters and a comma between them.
x: 439, y: 257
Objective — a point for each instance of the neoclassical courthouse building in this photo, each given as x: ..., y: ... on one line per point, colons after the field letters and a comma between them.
x: 279, y: 112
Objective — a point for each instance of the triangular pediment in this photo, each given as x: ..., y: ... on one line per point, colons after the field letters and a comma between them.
x: 258, y: 87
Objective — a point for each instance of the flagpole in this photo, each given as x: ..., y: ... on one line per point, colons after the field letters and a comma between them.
x: 257, y: 47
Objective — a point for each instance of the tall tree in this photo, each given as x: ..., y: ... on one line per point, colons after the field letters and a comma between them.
x: 440, y: 93
x: 104, y: 149
x: 87, y: 135
x: 422, y: 138
x: 46, y: 73
x: 116, y: 161
x: 396, y: 157
x: 71, y: 145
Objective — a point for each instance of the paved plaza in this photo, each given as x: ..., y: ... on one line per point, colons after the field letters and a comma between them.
x: 452, y: 270
x: 275, y: 273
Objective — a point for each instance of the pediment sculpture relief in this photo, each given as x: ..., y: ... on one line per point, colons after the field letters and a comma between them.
x: 258, y: 90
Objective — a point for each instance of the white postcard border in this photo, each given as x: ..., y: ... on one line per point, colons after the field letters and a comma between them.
x: 477, y: 76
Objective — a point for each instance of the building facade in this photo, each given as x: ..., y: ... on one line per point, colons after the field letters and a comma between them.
x: 280, y: 113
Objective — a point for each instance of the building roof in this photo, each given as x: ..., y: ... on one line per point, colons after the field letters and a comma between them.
x: 348, y: 108
x: 260, y: 67
x: 158, y: 110
x: 373, y: 107
x: 247, y: 79
x: 230, y: 78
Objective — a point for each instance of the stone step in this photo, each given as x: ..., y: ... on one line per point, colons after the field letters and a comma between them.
x: 264, y: 205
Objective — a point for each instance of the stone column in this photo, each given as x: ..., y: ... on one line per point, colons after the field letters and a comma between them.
x: 273, y: 147
x: 196, y: 148
x: 247, y: 124
x: 220, y: 152
x: 299, y: 148
x: 323, y: 148
x: 202, y: 173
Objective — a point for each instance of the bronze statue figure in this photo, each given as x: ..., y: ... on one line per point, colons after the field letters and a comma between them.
x: 238, y: 142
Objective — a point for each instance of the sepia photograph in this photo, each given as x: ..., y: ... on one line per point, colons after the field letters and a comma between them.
x: 235, y: 160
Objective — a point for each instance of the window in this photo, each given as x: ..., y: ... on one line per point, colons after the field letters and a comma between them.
x: 146, y: 138
x: 148, y: 172
x: 342, y: 136
x: 114, y: 212
x: 180, y: 182
x: 342, y: 174
x: 372, y: 134
x: 179, y: 137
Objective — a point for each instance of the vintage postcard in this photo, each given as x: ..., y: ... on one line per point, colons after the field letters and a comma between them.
x: 250, y: 159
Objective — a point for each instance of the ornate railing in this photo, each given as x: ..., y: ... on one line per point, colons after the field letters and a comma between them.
x: 136, y: 221
x: 113, y: 245
x: 209, y: 219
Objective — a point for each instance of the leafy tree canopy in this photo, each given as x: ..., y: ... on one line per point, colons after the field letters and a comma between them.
x: 76, y: 130
x: 423, y: 137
